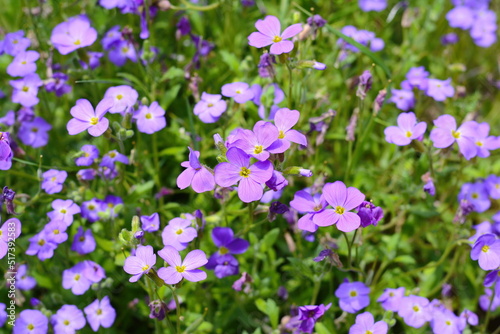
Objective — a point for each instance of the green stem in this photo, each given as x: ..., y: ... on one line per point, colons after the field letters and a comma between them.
x: 484, y: 328
x: 290, y: 86
x: 177, y: 309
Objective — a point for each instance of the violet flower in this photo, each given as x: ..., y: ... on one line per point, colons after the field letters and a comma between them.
x: 439, y: 90
x: 6, y: 235
x: 83, y: 242
x: 151, y: 223
x: 285, y: 119
x: 100, y: 313
x: 141, y: 263
x: 366, y: 324
x: 124, y: 98
x: 34, y: 133
x: 309, y: 315
x: 306, y: 203
x: 195, y: 175
x: 391, y: 299
x: 369, y: 214
x: 53, y: 180
x: 178, y: 269
x: 31, y: 322
x: 486, y: 250
x: 372, y: 5
x: 68, y: 319
x: 15, y: 43
x: 414, y: 311
x: 260, y: 141
x: 404, y: 99
x: 6, y: 154
x: 85, y: 118
x: 23, y: 64
x: 89, y: 156
x: 240, y: 91
x: 353, y: 296
x: 26, y: 90
x: 210, y: 107
x: 269, y: 33
x: 407, y: 130
x: 150, y: 119
x: 23, y: 281
x: 73, y: 34
x: 446, y: 133
x: 178, y: 233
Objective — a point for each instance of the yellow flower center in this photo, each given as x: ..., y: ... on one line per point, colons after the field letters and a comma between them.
x: 455, y: 134
x: 77, y: 277
x: 34, y: 129
x: 281, y: 135
x: 223, y: 250
x: 245, y: 172
x: 124, y: 49
x: 368, y: 332
x: 99, y: 311
x: 317, y: 207
x: 41, y: 242
x: 91, y: 207
x: 15, y: 41
x: 77, y: 42
x: 277, y: 39
x: 23, y: 62
x: 448, y: 322
x: 119, y: 96
x: 66, y: 322
x: 53, y: 179
x: 238, y: 91
x: 416, y: 308
x: 258, y: 149
x: 112, y: 154
x: 110, y: 205
x: 94, y: 120
x: 56, y: 232
x: 82, y: 238
x: 86, y: 155
x: 180, y: 268
x: 179, y: 231
x: 478, y: 143
x: 353, y: 293
x: 485, y: 248
x: 148, y: 115
x: 210, y: 105
x: 25, y: 89
x: 146, y: 267
x: 408, y: 134
x: 391, y: 294
x: 31, y: 327
x: 475, y: 195
x: 339, y: 210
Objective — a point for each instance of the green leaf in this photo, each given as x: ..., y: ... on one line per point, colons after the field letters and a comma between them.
x: 273, y: 312
x: 231, y: 60
x: 170, y: 96
x: 106, y: 245
x: 269, y: 239
x: 43, y: 280
x: 261, y: 305
x: 172, y: 73
x: 406, y: 259
x: 321, y: 329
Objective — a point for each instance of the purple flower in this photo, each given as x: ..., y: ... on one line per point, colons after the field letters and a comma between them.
x: 404, y: 99
x: 178, y: 269
x: 353, y: 296
x: 470, y: 317
x: 460, y: 17
x: 64, y: 210
x: 76, y: 280
x: 487, y: 250
x: 224, y: 239
x: 485, y: 300
x: 407, y: 130
x: 270, y: 34
x: 94, y: 60
x: 100, y: 313
x: 6, y: 154
x: 417, y: 77
x: 225, y: 265
x: 369, y: 214
x: 446, y: 133
x: 9, y: 119
x: 150, y: 119
x: 240, y: 91
x: 109, y: 159
x: 245, y: 279
x: 73, y: 34
x: 26, y: 90
x: 151, y: 223
x: 120, y: 52
x: 258, y: 142
x: 238, y: 169
x: 55, y: 231
x: 31, y: 322
x: 343, y: 200
x: 58, y: 84
x: 309, y: 315
x: 53, y: 180
x: 183, y: 27
x: 23, y: 64
x: 484, y: 143
x: 90, y: 209
x: 41, y: 246
x: 195, y: 175
x: 83, y: 242
x: 15, y: 43
x: 68, y: 319
x: 449, y: 39
x: 210, y: 107
x: 366, y: 324
x: 445, y: 321
x: 141, y: 263
x: 372, y: 5
x: 439, y: 90
x: 5, y: 234
x: 311, y: 205
x: 476, y: 194
x: 493, y: 186
x: 112, y: 38
x: 415, y: 311
x: 90, y: 154
x: 266, y: 68
x: 123, y: 97
x: 3, y: 315
x: 178, y: 233
x: 85, y: 118
x: 23, y: 281
x: 390, y: 300
x: 34, y: 133
x: 284, y: 120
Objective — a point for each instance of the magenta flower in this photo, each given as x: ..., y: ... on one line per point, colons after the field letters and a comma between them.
x: 23, y: 64
x: 53, y: 181
x: 73, y: 34
x: 141, y: 263
x: 343, y: 200
x: 210, y: 107
x: 257, y: 142
x: 85, y: 118
x: 100, y: 313
x: 270, y: 34
x: 285, y: 119
x: 240, y: 91
x: 415, y: 311
x: 311, y: 205
x: 446, y: 133
x: 407, y: 130
x: 178, y: 233
x: 366, y: 324
x: 195, y: 175
x: 487, y: 250
x: 178, y: 269
x: 124, y: 97
x: 439, y: 90
x: 150, y: 119
x: 238, y: 169
x: 353, y: 296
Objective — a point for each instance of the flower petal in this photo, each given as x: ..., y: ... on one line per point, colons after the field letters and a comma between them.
x: 349, y: 221
x: 269, y: 26
x: 249, y: 190
x: 170, y: 255
x: 195, y: 259
x: 195, y: 275
x: 281, y: 47
x: 170, y: 275
x: 335, y: 193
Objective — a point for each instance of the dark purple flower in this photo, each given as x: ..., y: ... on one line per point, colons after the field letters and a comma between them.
x: 225, y: 265
x: 369, y: 214
x: 266, y: 68
x: 158, y: 310
x: 183, y: 26
x: 58, y: 85
x: 449, y: 39
x: 224, y: 239
x: 309, y: 315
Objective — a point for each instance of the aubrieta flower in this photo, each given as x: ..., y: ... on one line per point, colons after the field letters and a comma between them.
x: 353, y: 296
x: 140, y: 263
x: 53, y: 180
x: 484, y: 142
x: 225, y: 265
x: 68, y: 319
x: 259, y: 142
x: 5, y: 234
x: 150, y: 119
x: 492, y: 183
x: 109, y: 159
x: 58, y: 85
x: 390, y: 300
x: 195, y: 175
x: 6, y: 153
x: 365, y: 37
x: 372, y: 5
x: 309, y: 315
x: 309, y: 204
x: 210, y: 107
x: 485, y: 300
x: 34, y: 132
x: 415, y: 311
x: 120, y: 52
x: 404, y: 99
x: 343, y: 200
x: 64, y: 210
x: 85, y: 118
x: 178, y: 233
x: 15, y: 43
x: 151, y: 223
x: 439, y: 90
x: 460, y: 17
x: 23, y: 64
x: 90, y: 209
x: 417, y: 77
x: 80, y: 277
x: 486, y: 250
x: 41, y: 246
x: 90, y: 154
x: 83, y: 241
x: 449, y: 39
x: 26, y: 90
x: 100, y: 313
x: 23, y: 281
x: 469, y: 317
x: 370, y: 214
x: 223, y: 238
x: 178, y: 269
x: 475, y: 194
x: 366, y: 324
x: 284, y: 120
x: 55, y: 232
x: 445, y: 321
x: 446, y: 133
x: 31, y: 322
x: 73, y: 34
x: 266, y: 68
x: 238, y: 170
x: 240, y: 91
x: 124, y: 97
x: 407, y: 130
x: 269, y: 33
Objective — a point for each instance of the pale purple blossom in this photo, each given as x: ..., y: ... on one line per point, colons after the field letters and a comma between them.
x: 150, y: 119
x: 35, y: 132
x: 353, y: 297
x: 23, y: 64
x: 408, y: 129
x: 53, y: 180
x: 140, y: 263
x: 83, y: 241
x: 240, y: 91
x: 259, y: 142
x: 100, y: 313
x: 89, y: 156
x: 439, y: 90
x: 68, y: 319
x: 85, y: 118
x: 210, y: 107
x: 365, y: 323
x: 486, y: 250
x: 151, y: 223
x: 26, y: 90
x: 178, y: 233
x: 178, y: 269
x: 123, y: 97
x: 73, y: 34
x: 195, y: 175
x: 415, y: 311
x: 269, y: 33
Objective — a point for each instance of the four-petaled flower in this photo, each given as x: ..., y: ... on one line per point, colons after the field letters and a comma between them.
x: 407, y: 130
x: 178, y: 269
x: 85, y: 118
x: 270, y: 34
x: 141, y: 263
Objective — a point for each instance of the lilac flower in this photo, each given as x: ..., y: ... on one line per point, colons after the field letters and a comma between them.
x: 6, y: 234
x: 73, y: 34
x: 460, y: 17
x: 485, y: 300
x: 178, y: 233
x: 150, y: 119
x: 124, y: 98
x: 240, y: 91
x: 15, y: 43
x: 224, y: 239
x: 391, y: 299
x: 110, y: 202
x: 75, y: 279
x: 369, y: 214
x: 430, y: 188
x: 83, y: 242
x: 178, y: 269
x: 449, y: 39
x: 112, y: 38
x: 372, y: 5
x: 439, y: 90
x: 120, y: 52
x: 484, y: 143
x: 311, y: 205
x: 417, y: 77
x: 238, y: 169
x: 266, y: 68
x: 446, y: 133
x: 68, y: 319
x: 353, y: 296
x: 225, y: 265
x: 34, y: 133
x: 210, y: 107
x: 366, y: 324
x: 445, y: 321
x: 407, y: 130
x: 41, y: 246
x: 487, y: 250
x: 109, y: 159
x: 151, y: 223
x: 404, y: 99
x: 141, y: 263
x: 58, y: 85
x: 26, y: 90
x: 23, y: 64
x: 270, y: 34
x: 3, y: 315
x: 92, y: 271
x: 414, y: 311
x: 470, y: 317
x: 23, y: 281
x: 183, y: 27
x: 64, y: 210
x: 343, y: 200
x: 55, y: 231
x: 476, y: 194
x: 493, y: 186
x: 90, y: 209
x: 100, y: 313
x: 6, y: 154
x: 85, y: 118
x: 258, y: 142
x: 53, y: 180
x: 93, y: 61
x: 195, y: 175
x: 284, y: 120
x: 90, y: 154
x: 31, y: 322
x: 309, y: 315
x: 481, y: 229
x: 9, y: 119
